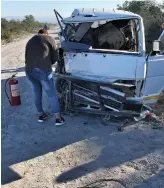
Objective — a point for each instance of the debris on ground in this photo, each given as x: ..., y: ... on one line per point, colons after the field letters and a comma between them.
x: 158, y: 108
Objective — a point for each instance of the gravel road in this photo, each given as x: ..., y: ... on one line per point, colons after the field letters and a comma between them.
x: 82, y: 153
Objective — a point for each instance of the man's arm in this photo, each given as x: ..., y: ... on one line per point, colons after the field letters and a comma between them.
x: 54, y: 51
x: 26, y: 48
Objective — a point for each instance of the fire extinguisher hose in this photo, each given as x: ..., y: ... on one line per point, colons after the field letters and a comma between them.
x: 6, y: 91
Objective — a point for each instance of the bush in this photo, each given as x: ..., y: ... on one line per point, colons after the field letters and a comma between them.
x: 14, y: 28
x: 6, y: 36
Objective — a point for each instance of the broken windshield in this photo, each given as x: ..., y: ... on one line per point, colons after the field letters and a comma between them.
x: 111, y: 35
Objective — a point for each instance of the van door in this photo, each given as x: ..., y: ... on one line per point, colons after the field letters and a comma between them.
x: 154, y: 82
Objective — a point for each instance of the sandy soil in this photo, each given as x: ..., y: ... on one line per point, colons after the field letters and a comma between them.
x: 82, y: 153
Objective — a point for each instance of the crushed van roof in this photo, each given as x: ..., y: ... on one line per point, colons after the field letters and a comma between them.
x: 91, y: 15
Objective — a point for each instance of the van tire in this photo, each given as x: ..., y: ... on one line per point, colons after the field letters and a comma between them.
x: 59, y: 83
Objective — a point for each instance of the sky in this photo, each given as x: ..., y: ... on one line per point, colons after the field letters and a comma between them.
x: 43, y: 10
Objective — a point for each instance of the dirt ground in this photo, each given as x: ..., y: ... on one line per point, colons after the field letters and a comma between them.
x: 82, y: 153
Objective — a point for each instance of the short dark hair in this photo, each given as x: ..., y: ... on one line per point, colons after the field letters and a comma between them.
x: 42, y: 31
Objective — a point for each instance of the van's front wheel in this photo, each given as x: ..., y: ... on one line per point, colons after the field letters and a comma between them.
x: 59, y: 83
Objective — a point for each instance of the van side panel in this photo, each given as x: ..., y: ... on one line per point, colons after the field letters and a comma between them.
x: 154, y: 83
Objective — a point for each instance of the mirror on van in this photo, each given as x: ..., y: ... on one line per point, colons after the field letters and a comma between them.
x: 155, y: 48
x: 156, y: 44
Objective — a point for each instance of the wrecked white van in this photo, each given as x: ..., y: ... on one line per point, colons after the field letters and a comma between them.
x: 107, y: 48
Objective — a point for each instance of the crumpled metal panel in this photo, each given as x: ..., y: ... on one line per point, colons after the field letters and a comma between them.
x: 96, y: 78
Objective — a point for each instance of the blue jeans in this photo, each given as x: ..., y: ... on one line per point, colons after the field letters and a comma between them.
x: 42, y: 79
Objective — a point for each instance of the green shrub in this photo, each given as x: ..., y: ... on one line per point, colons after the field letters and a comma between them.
x: 14, y: 28
x: 7, y: 36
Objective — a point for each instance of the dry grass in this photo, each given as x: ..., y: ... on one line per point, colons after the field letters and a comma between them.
x: 158, y: 108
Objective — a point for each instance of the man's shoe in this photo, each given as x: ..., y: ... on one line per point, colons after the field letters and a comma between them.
x: 60, y: 121
x: 43, y: 117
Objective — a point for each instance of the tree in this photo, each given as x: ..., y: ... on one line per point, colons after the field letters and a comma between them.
x: 29, y: 19
x: 4, y: 23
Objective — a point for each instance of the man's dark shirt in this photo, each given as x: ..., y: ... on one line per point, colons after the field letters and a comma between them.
x: 41, y: 52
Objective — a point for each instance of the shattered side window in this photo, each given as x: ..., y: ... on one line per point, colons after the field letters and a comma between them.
x: 110, y: 37
x: 118, y: 35
x: 77, y: 33
x: 70, y: 31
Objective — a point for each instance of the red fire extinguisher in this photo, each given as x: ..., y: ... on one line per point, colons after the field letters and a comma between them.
x: 14, y: 91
